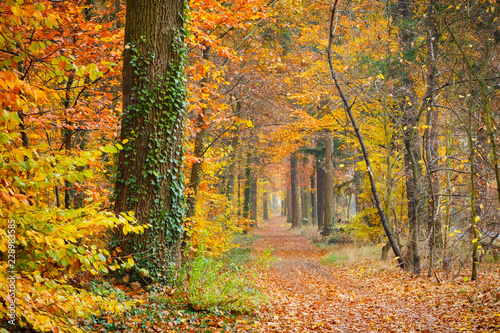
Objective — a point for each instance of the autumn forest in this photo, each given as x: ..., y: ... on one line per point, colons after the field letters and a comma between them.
x: 249, y: 166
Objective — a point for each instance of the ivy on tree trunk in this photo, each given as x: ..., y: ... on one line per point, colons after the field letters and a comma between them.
x: 149, y: 180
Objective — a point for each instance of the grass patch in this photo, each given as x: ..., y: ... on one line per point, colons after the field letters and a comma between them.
x: 215, y: 284
x: 223, y: 283
x: 356, y: 256
x: 245, y: 240
x: 312, y: 233
x: 333, y: 259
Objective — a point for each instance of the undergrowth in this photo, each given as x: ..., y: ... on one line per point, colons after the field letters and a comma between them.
x: 208, y: 291
x: 214, y: 284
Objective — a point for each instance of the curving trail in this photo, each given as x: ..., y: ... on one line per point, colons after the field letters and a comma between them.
x: 309, y: 297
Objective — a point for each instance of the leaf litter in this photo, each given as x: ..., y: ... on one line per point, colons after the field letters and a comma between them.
x: 306, y: 296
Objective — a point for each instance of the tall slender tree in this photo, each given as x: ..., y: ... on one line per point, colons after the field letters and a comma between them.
x: 329, y: 208
x: 295, y: 192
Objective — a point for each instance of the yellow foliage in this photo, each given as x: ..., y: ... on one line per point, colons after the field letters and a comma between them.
x: 366, y: 226
x: 214, y: 223
x: 44, y: 248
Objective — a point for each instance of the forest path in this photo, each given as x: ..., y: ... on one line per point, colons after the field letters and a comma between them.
x: 309, y: 297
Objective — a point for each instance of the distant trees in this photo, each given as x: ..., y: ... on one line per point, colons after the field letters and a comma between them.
x: 420, y: 78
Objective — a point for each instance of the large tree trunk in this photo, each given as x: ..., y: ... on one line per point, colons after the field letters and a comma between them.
x: 295, y: 193
x: 412, y: 192
x: 150, y: 181
x: 329, y: 209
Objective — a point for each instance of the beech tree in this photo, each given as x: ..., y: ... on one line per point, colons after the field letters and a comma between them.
x: 295, y: 192
x: 149, y: 180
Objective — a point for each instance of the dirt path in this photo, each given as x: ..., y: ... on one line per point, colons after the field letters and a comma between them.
x: 308, y: 297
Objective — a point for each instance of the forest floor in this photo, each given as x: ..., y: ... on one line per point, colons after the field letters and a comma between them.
x: 306, y: 296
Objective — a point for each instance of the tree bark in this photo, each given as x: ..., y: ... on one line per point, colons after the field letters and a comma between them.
x: 314, y: 208
x: 150, y: 181
x: 289, y: 209
x: 320, y: 194
x: 307, y: 206
x: 329, y: 208
x: 265, y: 206
x: 247, y: 192
x: 198, y: 150
x: 283, y: 206
x: 232, y: 167
x: 431, y: 140
x: 253, y: 198
x: 238, y: 179
x: 295, y: 193
x: 67, y: 135
x: 406, y: 95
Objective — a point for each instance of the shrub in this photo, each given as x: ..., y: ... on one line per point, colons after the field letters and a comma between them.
x: 216, y: 283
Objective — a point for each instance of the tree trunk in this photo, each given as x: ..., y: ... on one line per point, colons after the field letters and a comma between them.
x: 406, y: 95
x: 232, y: 167
x: 307, y: 206
x: 239, y: 195
x: 283, y: 206
x: 303, y: 208
x: 329, y: 212
x: 295, y: 193
x: 265, y: 206
x: 198, y: 153
x: 67, y: 135
x: 320, y: 194
x: 289, y: 209
x: 247, y: 196
x: 253, y: 200
x: 474, y: 220
x: 431, y: 140
x: 314, y: 208
x: 412, y: 192
x: 150, y: 181
x: 361, y: 141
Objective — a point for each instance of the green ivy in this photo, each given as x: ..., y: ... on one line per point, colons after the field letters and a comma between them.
x: 166, y: 93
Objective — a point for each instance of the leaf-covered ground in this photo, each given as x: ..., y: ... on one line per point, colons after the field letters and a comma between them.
x: 309, y: 297
x: 306, y: 296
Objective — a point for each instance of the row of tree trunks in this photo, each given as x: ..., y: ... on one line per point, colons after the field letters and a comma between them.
x: 314, y: 204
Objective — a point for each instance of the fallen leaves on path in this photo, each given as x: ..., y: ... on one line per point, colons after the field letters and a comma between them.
x: 309, y: 297
x: 306, y: 296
